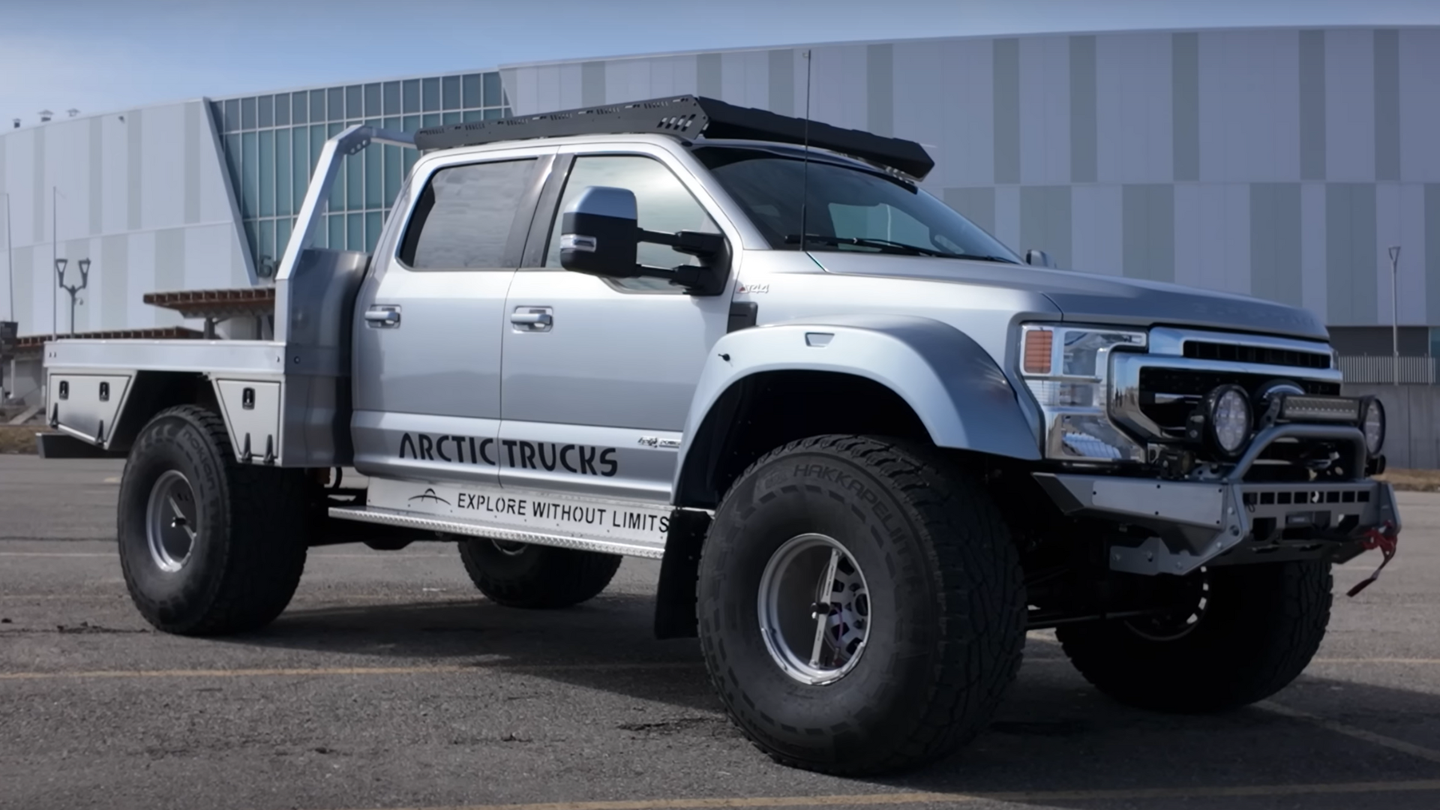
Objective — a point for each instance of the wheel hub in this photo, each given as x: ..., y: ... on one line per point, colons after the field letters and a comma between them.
x: 814, y: 609
x: 1177, y: 624
x: 171, y: 521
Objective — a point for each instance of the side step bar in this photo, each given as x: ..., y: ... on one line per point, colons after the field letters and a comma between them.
x: 389, y: 517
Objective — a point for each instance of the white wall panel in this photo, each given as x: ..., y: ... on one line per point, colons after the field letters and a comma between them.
x: 20, y: 182
x: 1420, y: 105
x: 140, y: 280
x: 571, y: 87
x: 67, y: 167
x: 745, y: 78
x: 1007, y: 216
x: 1212, y: 236
x: 1095, y: 238
x: 1250, y: 106
x: 840, y: 86
x: 1045, y: 110
x: 967, y: 113
x: 162, y: 177
x: 43, y: 293
x: 1314, y: 286
x: 919, y: 81
x: 114, y: 173
x: 547, y: 87
x: 524, y: 90
x: 1400, y: 220
x: 1134, y: 108
x: 1350, y: 105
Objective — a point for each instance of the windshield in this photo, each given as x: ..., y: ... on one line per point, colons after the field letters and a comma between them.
x: 850, y: 208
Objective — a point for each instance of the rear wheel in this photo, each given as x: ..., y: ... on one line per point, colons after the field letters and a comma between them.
x: 1244, y: 634
x: 207, y: 545
x: 531, y: 576
x: 861, y: 607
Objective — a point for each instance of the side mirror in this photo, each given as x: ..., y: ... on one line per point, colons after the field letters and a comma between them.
x: 600, y: 233
x: 1038, y: 258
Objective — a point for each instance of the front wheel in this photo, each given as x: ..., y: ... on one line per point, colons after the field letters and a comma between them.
x: 861, y: 607
x: 1247, y: 631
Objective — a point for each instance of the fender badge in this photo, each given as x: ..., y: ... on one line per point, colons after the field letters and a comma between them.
x: 755, y: 289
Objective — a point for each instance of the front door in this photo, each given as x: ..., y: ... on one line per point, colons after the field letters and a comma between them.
x: 599, y: 373
x: 427, y: 334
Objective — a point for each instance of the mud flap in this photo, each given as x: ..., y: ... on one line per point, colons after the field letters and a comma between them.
x: 679, y: 574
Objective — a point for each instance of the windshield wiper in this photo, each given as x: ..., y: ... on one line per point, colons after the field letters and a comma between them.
x: 887, y: 246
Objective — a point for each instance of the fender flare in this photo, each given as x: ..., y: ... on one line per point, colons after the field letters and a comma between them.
x: 964, y: 400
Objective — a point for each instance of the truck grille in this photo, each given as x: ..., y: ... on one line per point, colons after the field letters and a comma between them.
x: 1259, y: 355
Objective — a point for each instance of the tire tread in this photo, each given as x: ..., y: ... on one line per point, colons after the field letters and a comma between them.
x: 981, y: 579
x: 264, y: 557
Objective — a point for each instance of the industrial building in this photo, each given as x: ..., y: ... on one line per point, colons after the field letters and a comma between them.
x: 1278, y: 162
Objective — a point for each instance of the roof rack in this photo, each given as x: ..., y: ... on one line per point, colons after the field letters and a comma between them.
x: 686, y: 118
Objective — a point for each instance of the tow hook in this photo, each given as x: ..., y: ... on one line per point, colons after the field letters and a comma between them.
x: 1384, y: 538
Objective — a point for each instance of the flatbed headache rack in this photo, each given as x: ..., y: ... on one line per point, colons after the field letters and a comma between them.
x: 687, y: 118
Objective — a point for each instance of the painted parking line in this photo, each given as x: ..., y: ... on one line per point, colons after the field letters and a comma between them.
x: 313, y: 672
x: 912, y: 798
x: 1354, y: 732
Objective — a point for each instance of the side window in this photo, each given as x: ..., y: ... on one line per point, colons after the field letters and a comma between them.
x: 662, y: 201
x: 463, y: 217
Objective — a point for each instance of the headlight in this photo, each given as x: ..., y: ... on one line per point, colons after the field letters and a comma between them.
x: 1227, y: 419
x: 1374, y: 426
x: 1066, y: 367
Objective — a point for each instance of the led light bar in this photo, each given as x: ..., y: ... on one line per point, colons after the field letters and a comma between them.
x: 1310, y: 408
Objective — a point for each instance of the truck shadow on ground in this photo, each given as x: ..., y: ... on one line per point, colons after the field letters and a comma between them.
x: 1083, y: 739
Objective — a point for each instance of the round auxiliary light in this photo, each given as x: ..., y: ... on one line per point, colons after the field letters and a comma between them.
x: 1227, y: 418
x: 1374, y: 426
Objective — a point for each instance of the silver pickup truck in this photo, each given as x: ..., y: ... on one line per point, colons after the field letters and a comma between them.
x: 871, y: 445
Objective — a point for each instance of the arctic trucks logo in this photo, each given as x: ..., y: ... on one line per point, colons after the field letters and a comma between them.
x: 428, y: 495
x: 581, y: 459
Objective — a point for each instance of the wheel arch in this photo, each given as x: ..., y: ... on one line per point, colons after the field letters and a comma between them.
x: 153, y: 392
x: 903, y: 376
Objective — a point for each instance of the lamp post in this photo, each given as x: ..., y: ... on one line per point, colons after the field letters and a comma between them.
x: 73, y: 289
x: 1395, y: 308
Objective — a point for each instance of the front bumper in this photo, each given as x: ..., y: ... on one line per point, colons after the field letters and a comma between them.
x: 1196, y: 523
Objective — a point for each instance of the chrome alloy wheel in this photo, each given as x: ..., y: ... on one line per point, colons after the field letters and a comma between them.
x: 171, y: 521
x: 814, y: 609
x: 1177, y: 624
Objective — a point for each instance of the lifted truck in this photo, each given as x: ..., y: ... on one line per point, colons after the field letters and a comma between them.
x: 870, y: 444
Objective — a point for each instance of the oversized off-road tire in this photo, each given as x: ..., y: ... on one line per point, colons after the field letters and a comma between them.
x: 524, y: 575
x: 208, y: 546
x: 861, y: 606
x: 1253, y: 630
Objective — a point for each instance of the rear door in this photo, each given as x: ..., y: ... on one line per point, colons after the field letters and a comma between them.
x: 428, y: 320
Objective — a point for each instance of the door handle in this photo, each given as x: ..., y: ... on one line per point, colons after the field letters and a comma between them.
x: 382, y: 317
x: 532, y: 319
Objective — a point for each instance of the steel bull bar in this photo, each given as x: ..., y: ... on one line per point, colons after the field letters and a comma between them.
x: 1212, y: 522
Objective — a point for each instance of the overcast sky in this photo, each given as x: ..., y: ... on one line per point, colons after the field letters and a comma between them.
x: 102, y: 55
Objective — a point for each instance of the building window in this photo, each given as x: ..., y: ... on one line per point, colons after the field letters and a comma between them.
x: 272, y: 144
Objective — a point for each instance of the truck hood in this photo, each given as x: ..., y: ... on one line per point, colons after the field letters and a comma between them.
x: 1093, y: 298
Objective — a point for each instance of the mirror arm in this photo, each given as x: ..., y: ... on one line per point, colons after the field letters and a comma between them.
x: 694, y: 243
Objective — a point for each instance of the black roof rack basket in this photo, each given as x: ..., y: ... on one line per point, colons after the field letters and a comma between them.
x: 686, y: 118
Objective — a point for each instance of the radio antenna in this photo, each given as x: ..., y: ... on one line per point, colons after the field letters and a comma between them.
x: 805, y: 172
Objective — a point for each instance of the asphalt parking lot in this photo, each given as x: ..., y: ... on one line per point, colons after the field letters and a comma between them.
x: 389, y: 683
